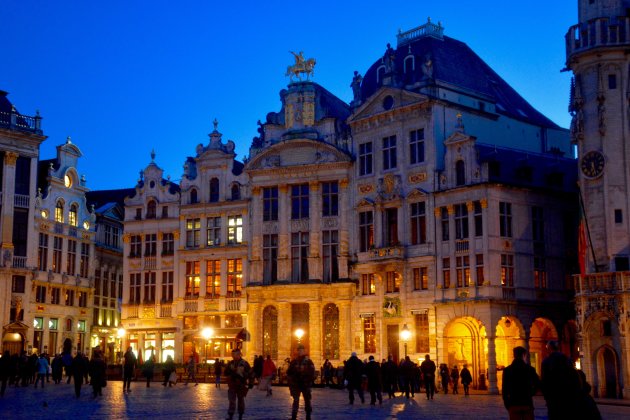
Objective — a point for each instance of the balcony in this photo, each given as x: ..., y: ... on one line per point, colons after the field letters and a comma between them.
x: 150, y: 263
x: 232, y: 304
x: 462, y: 246
x: 602, y: 32
x: 132, y: 311
x: 14, y: 121
x: 602, y: 283
x: 19, y: 262
x: 384, y: 253
x: 21, y: 201
x: 190, y: 305
x: 166, y: 310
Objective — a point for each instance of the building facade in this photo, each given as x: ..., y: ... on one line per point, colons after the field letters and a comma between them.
x: 596, y: 54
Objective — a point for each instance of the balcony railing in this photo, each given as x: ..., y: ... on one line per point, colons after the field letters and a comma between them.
x: 190, y: 305
x: 19, y: 262
x: 232, y: 304
x: 21, y: 201
x: 150, y: 263
x: 132, y: 311
x: 59, y: 227
x: 387, y: 252
x: 598, y: 283
x: 166, y: 310
x: 602, y: 32
x: 509, y: 293
x: 462, y: 246
x: 14, y: 121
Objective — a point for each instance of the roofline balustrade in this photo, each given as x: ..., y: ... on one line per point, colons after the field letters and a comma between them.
x: 598, y: 33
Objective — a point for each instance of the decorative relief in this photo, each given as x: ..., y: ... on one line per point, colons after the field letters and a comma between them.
x: 176, y: 234
x: 301, y: 225
x: 308, y: 113
x: 134, y: 264
x: 126, y: 238
x: 329, y: 222
x: 270, y: 227
x: 366, y: 188
x: 343, y: 183
x: 391, y: 307
x: 10, y: 158
x: 484, y: 203
x: 211, y: 305
x: 417, y: 177
x: 256, y: 190
x: 451, y: 209
x: 148, y: 312
x: 390, y: 187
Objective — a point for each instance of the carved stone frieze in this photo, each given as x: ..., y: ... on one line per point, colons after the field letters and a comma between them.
x: 270, y: 227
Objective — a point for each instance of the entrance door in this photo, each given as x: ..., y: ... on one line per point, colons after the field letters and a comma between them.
x: 610, y: 372
x: 392, y: 342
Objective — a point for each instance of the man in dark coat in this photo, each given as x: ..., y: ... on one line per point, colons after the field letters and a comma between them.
x: 373, y: 373
x: 78, y: 367
x: 301, y: 374
x: 406, y: 372
x: 390, y: 376
x: 353, y: 371
x: 239, y: 378
x: 520, y: 383
x: 5, y: 370
x: 97, y: 373
x: 131, y: 362
x: 258, y: 366
x: 428, y: 372
x: 466, y: 378
x: 561, y: 385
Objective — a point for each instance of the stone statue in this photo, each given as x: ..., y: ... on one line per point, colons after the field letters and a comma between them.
x: 301, y: 65
x: 389, y: 59
x: 356, y: 86
x: 427, y: 67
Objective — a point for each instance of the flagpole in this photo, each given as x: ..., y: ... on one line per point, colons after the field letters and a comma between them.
x: 588, y: 230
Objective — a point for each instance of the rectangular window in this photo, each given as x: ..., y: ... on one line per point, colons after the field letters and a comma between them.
x: 540, y: 275
x: 369, y: 334
x: 213, y: 279
x: 235, y: 277
x: 72, y: 257
x: 69, y: 297
x: 418, y: 223
x: 150, y: 245
x: 416, y: 146
x: 507, y: 270
x: 420, y: 278
x: 299, y: 257
x: 270, y: 259
x: 192, y: 279
x: 368, y: 285
x: 299, y: 201
x: 167, y: 286
x: 18, y: 284
x: 461, y: 221
x: 389, y: 152
x: 113, y: 286
x: 55, y: 296
x: 393, y: 281
x: 479, y: 269
x: 136, y: 246
x: 59, y: 213
x: 40, y: 294
x: 445, y: 223
x: 83, y: 299
x: 365, y: 158
x: 270, y: 204
x: 213, y: 236
x: 135, y: 284
x: 105, y: 283
x: 42, y: 252
x: 612, y: 81
x: 164, y: 212
x: 618, y: 216
x: 330, y: 247
x: 330, y: 198
x: 390, y: 227
x: 193, y: 229
x: 538, y: 224
x: 505, y: 219
x: 463, y: 271
x: 422, y: 332
x: 235, y: 229
x: 149, y: 287
x: 168, y: 244
x: 446, y: 272
x: 366, y: 230
x: 57, y: 247
x: 84, y: 265
x: 478, y: 218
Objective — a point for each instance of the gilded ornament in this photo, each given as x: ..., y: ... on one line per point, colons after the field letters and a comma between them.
x: 417, y: 177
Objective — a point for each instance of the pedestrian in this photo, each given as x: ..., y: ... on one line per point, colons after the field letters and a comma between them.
x: 406, y: 374
x: 444, y: 377
x: 428, y: 369
x: 78, y: 367
x: 466, y: 378
x: 131, y: 362
x: 147, y: 370
x: 42, y: 369
x: 190, y: 369
x: 327, y: 373
x: 258, y: 367
x: 353, y: 373
x: 97, y: 370
x: 57, y: 368
x: 455, y: 378
x: 520, y: 383
x: 167, y: 368
x: 300, y: 375
x: 239, y: 377
x: 5, y: 371
x: 218, y: 368
x: 268, y: 374
x: 373, y: 373
x: 390, y: 376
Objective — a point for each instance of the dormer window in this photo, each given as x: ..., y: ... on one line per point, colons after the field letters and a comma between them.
x: 151, y: 209
x: 214, y: 190
x: 72, y: 215
x: 59, y: 212
x: 236, y: 192
x: 193, y: 196
x: 460, y: 173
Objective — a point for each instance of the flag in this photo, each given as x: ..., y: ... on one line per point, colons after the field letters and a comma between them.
x: 582, y: 240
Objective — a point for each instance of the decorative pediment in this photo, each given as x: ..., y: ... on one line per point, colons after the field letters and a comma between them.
x: 417, y: 194
x: 365, y: 202
x: 458, y: 138
x: 297, y: 153
x: 379, y: 103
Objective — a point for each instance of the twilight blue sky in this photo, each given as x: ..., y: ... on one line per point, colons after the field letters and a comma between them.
x: 124, y: 77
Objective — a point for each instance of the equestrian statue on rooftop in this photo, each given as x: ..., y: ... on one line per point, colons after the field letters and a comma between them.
x: 301, y: 65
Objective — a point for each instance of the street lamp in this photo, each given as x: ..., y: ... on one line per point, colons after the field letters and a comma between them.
x: 299, y: 333
x: 206, y: 333
x: 405, y: 334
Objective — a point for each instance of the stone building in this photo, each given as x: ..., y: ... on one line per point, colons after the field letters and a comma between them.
x: 596, y: 54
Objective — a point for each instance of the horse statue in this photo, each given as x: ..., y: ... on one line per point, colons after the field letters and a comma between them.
x: 301, y: 65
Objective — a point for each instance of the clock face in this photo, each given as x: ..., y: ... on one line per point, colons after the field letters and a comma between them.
x: 592, y: 164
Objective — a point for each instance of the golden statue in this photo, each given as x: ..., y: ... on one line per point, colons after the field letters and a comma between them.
x: 301, y: 65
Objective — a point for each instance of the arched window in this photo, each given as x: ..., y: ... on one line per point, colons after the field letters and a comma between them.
x: 236, y: 192
x: 193, y: 196
x: 72, y: 215
x: 270, y: 332
x: 59, y: 212
x: 380, y: 72
x: 151, y: 209
x: 214, y: 190
x: 409, y: 64
x: 460, y: 173
x: 330, y: 332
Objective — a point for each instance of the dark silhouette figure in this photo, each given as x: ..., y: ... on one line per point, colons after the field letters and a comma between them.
x: 520, y: 382
x: 301, y: 374
x: 428, y: 369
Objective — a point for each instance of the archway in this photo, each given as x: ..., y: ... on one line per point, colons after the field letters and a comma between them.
x: 509, y: 333
x: 465, y: 344
x: 13, y: 342
x: 607, y: 367
x: 541, y: 331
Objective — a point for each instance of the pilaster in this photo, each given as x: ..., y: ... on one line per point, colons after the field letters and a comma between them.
x: 315, y: 330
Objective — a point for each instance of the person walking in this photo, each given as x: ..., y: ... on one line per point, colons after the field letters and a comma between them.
x: 190, y: 370
x: 167, y: 368
x: 42, y: 369
x: 5, y: 371
x: 300, y: 375
x: 147, y: 370
x: 218, y: 368
x: 406, y: 373
x: 444, y: 377
x: 353, y: 372
x: 258, y: 367
x: 390, y: 376
x: 455, y: 378
x: 520, y: 382
x: 327, y: 373
x: 428, y: 369
x: 466, y: 378
x: 98, y: 378
x: 129, y: 368
x: 239, y: 378
x: 78, y: 367
x: 57, y: 368
x: 373, y: 373
x: 268, y: 373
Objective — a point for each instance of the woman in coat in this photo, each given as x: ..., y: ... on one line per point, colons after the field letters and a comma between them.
x: 97, y: 373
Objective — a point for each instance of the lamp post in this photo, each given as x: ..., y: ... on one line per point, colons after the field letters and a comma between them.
x: 121, y: 334
x: 207, y: 333
x: 405, y: 334
x: 299, y: 333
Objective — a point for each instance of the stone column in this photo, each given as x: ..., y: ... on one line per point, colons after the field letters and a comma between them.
x: 255, y: 236
x: 315, y: 332
x: 8, y: 193
x: 254, y: 326
x: 345, y: 329
x: 492, y: 366
x: 315, y: 228
x: 344, y: 233
x: 284, y: 219
x: 284, y: 330
x: 378, y: 226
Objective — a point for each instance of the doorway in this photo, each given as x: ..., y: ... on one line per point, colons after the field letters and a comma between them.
x: 393, y: 346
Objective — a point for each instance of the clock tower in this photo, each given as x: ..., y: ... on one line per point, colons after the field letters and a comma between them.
x: 597, y: 54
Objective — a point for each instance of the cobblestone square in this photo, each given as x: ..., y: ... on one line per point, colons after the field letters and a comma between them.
x: 207, y: 402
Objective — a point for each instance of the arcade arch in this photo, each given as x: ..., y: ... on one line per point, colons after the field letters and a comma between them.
x: 465, y: 343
